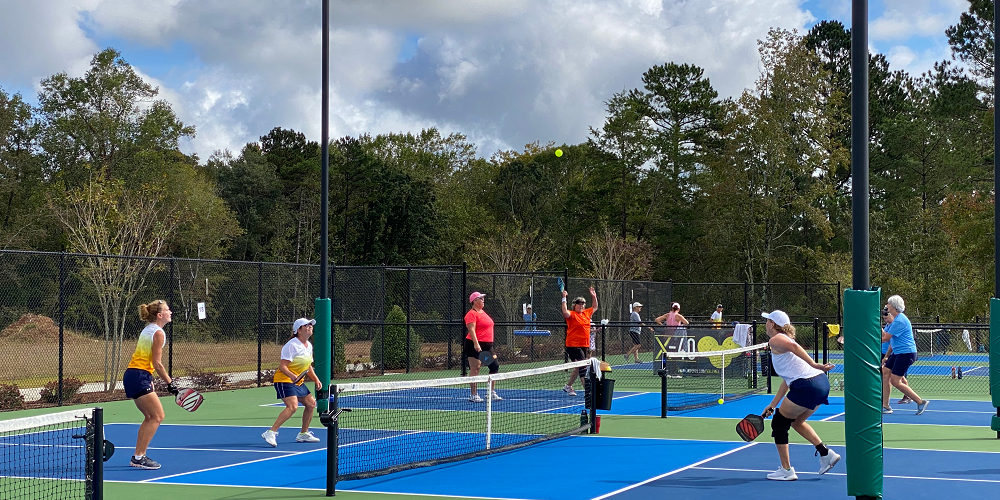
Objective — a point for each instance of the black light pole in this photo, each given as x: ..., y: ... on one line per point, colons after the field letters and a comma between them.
x: 996, y: 187
x: 859, y: 144
x: 323, y: 343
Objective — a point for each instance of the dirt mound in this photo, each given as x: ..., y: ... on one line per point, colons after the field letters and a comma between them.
x: 37, y: 328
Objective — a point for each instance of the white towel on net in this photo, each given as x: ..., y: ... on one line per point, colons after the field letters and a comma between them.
x: 594, y: 367
x: 741, y: 335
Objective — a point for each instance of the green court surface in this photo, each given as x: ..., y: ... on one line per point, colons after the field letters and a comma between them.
x: 249, y: 407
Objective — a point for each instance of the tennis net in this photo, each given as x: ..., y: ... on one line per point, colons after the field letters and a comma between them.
x: 394, y: 426
x: 693, y: 380
x: 52, y: 456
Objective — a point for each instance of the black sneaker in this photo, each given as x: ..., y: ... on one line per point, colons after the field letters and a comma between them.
x: 144, y: 463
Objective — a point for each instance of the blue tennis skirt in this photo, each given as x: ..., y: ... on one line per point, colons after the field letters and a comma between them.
x: 810, y: 392
x: 287, y: 389
x: 137, y: 383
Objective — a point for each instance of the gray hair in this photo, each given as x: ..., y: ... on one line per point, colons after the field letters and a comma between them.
x: 897, y: 303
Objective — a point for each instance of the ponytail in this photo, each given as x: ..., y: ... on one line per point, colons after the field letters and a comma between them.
x: 148, y: 312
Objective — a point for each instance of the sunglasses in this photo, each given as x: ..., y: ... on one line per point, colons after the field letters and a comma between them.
x: 885, y: 313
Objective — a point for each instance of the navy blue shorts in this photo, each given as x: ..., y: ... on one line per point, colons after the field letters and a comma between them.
x: 635, y: 337
x: 288, y: 389
x: 810, y: 392
x: 137, y: 383
x: 900, y: 363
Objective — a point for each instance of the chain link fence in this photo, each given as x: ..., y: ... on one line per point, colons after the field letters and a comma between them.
x: 68, y: 322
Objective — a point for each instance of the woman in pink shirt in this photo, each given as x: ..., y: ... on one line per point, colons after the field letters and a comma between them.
x: 672, y: 318
x: 480, y: 338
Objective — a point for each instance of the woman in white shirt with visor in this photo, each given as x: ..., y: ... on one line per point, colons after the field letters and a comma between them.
x: 804, y: 386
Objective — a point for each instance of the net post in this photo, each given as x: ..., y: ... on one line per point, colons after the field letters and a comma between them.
x: 98, y: 479
x: 332, y: 445
x: 663, y: 393
x: 592, y: 378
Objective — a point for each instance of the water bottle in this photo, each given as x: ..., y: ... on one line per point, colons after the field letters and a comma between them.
x: 959, y: 372
x: 583, y: 418
x: 953, y: 372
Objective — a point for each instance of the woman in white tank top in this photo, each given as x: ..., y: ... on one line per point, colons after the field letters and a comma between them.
x: 804, y: 382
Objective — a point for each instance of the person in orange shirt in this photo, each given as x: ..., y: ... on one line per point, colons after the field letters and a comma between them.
x: 577, y: 334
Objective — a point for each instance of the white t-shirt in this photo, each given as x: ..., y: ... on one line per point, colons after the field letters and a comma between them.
x: 717, y: 317
x: 300, y: 356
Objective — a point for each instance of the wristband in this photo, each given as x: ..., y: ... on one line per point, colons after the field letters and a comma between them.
x: 564, y: 299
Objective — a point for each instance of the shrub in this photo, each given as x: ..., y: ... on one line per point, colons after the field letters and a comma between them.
x: 11, y: 398
x: 267, y: 377
x: 50, y: 393
x: 204, y: 381
x: 394, y: 337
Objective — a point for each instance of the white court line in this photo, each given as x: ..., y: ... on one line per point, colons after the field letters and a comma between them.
x: 285, y: 452
x: 827, y: 419
x: 843, y: 474
x: 261, y: 460
x: 675, y: 471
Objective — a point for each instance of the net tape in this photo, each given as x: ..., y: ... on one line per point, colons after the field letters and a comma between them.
x: 443, y: 382
x: 712, y: 354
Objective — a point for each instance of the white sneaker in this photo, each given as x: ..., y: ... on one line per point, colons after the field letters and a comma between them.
x: 569, y: 390
x: 922, y: 406
x: 496, y: 397
x: 271, y: 437
x: 475, y: 398
x: 783, y: 474
x: 886, y: 410
x: 306, y: 437
x: 826, y: 463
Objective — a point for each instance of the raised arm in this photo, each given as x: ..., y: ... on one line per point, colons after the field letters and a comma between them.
x: 593, y: 296
x: 564, y: 310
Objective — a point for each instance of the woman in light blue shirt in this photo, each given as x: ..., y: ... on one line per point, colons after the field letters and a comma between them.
x: 899, y: 333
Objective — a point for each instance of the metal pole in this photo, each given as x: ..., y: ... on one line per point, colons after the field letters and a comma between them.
x: 816, y: 339
x: 826, y: 336
x: 324, y: 204
x: 170, y: 326
x: 332, y: 445
x: 98, y: 481
x: 996, y: 164
x: 409, y: 299
x: 461, y: 301
x: 260, y: 320
x: 746, y: 301
x: 859, y: 144
x: 62, y: 318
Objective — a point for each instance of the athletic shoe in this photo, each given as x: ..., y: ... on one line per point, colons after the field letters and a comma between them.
x: 306, y: 437
x: 144, y: 463
x: 783, y: 474
x: 922, y: 406
x: 475, y: 398
x: 826, y: 463
x: 904, y: 400
x: 496, y: 397
x: 886, y: 410
x: 569, y: 390
x: 271, y: 437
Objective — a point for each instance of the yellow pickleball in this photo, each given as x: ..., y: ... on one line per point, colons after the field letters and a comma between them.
x: 721, y: 401
x: 558, y: 152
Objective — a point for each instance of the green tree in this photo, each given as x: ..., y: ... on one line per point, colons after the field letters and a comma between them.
x: 973, y: 37
x: 21, y: 179
x: 391, y: 346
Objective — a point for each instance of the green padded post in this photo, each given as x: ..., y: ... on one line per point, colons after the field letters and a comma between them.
x: 863, y: 392
x: 995, y: 361
x: 323, y: 349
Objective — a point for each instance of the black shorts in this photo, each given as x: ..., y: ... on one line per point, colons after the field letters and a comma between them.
x: 576, y: 353
x: 635, y: 337
x: 469, y: 349
x: 898, y: 364
x: 137, y: 383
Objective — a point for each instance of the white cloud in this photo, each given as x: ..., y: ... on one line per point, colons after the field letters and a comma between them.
x: 906, y: 19
x: 504, y: 73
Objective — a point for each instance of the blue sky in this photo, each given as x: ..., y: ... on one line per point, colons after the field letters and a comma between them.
x: 503, y: 73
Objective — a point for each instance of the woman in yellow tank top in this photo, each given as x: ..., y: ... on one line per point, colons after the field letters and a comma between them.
x: 138, y: 378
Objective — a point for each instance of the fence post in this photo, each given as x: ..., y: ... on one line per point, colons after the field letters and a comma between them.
x: 333, y: 325
x: 409, y: 299
x: 840, y: 306
x: 260, y: 319
x: 826, y: 337
x: 62, y: 318
x: 461, y: 302
x: 816, y: 339
x: 170, y: 326
x: 746, y: 303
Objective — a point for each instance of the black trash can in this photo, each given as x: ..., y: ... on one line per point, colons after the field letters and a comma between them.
x: 605, y: 393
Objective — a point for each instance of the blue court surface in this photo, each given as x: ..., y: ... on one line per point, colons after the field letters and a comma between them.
x: 574, y: 468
